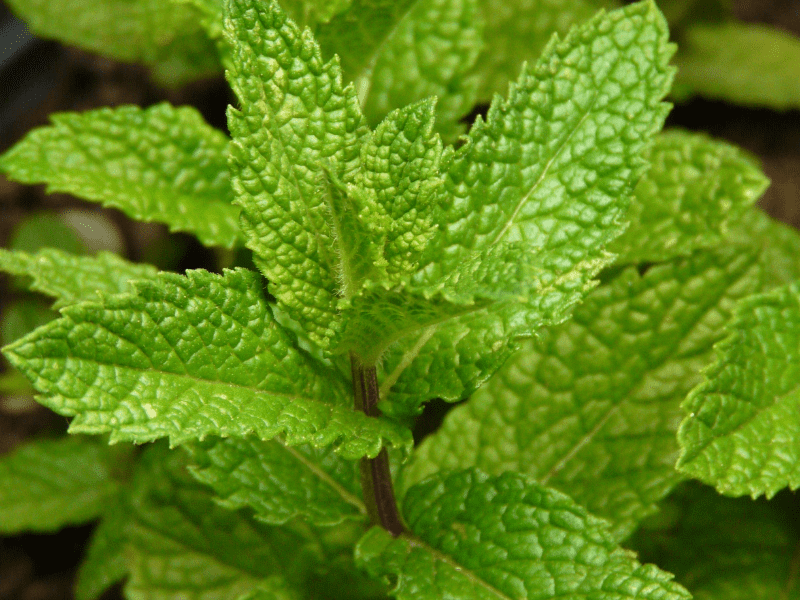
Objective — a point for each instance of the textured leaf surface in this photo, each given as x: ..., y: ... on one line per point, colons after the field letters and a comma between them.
x: 518, y: 30
x: 160, y: 164
x: 743, y: 422
x: 279, y: 482
x: 47, y: 484
x: 69, y: 278
x: 550, y: 169
x: 745, y: 63
x: 695, y: 188
x: 105, y: 562
x: 189, y: 357
x: 159, y: 33
x: 592, y: 406
x: 295, y: 115
x: 728, y: 549
x: 779, y: 244
x: 481, y: 537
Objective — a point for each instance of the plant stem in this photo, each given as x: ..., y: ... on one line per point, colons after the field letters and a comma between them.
x: 376, y: 478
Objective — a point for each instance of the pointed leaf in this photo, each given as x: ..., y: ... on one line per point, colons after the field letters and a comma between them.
x: 481, y: 537
x: 695, y: 189
x: 162, y: 164
x: 592, y: 406
x: 160, y: 33
x: 279, y: 482
x: 742, y: 426
x: 745, y: 63
x: 47, y: 484
x: 295, y: 114
x: 189, y: 357
x: 69, y: 278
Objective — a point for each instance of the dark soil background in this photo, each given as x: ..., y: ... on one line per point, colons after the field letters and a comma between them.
x: 46, y: 77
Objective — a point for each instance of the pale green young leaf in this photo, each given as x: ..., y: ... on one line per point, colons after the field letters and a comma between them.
x: 727, y: 548
x: 188, y: 357
x: 295, y: 115
x: 552, y: 169
x: 183, y: 545
x: 47, y: 484
x: 695, y: 189
x: 160, y: 33
x: 516, y: 31
x: 431, y: 52
x: 742, y: 426
x: 745, y: 63
x: 591, y: 407
x: 480, y: 537
x: 279, y: 482
x: 162, y: 164
x: 779, y: 244
x: 105, y: 562
x: 69, y: 278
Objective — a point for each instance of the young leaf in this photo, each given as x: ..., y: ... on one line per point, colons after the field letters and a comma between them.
x: 160, y: 164
x: 188, y: 357
x: 160, y: 33
x: 516, y: 31
x: 743, y: 422
x: 745, y: 63
x: 591, y: 407
x: 47, y: 484
x: 552, y: 169
x: 480, y: 537
x: 295, y: 115
x: 695, y: 189
x: 725, y: 548
x: 69, y: 278
x: 277, y: 481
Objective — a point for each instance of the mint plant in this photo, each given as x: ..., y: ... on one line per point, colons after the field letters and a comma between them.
x: 564, y: 266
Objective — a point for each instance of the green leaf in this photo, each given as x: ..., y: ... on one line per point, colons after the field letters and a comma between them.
x: 517, y: 31
x: 21, y: 317
x: 779, y: 244
x: 309, y: 12
x: 69, y: 278
x: 106, y: 562
x: 695, y: 189
x: 481, y: 537
x: 591, y: 407
x: 188, y: 357
x: 163, y: 34
x: 742, y: 426
x: 41, y: 230
x: 431, y: 51
x: 185, y: 546
x: 295, y: 114
x: 160, y: 164
x: 551, y: 169
x: 47, y: 484
x: 279, y: 482
x: 745, y: 63
x: 728, y: 549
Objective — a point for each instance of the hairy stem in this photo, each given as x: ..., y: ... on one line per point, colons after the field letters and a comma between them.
x: 376, y: 478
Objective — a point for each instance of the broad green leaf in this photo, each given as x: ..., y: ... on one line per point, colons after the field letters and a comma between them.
x: 431, y: 52
x: 47, y: 484
x: 480, y: 537
x: 188, y: 357
x: 69, y: 278
x: 695, y: 189
x: 277, y: 481
x: 163, y: 34
x: 742, y: 426
x: 295, y: 115
x: 551, y: 169
x: 517, y: 31
x: 728, y: 549
x: 591, y: 407
x: 105, y: 562
x: 745, y: 63
x: 160, y: 164
x: 779, y: 243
